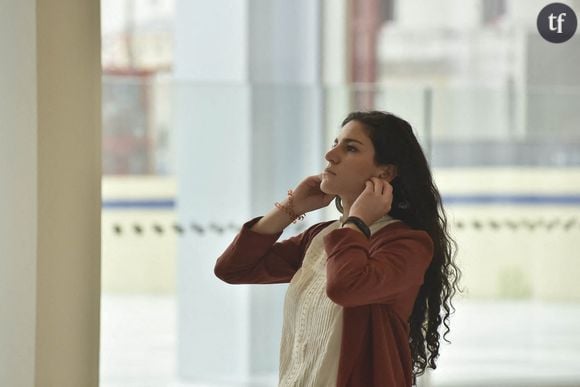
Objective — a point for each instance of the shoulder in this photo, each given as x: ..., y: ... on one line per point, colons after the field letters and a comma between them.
x: 401, y: 235
x: 308, y: 235
x: 314, y: 229
x: 398, y: 230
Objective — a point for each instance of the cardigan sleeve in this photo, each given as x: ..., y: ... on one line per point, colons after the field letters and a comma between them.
x: 362, y: 271
x: 255, y: 258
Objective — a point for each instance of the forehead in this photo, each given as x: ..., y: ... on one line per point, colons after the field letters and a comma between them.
x: 354, y: 130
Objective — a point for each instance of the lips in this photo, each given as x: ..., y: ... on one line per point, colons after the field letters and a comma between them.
x: 329, y: 171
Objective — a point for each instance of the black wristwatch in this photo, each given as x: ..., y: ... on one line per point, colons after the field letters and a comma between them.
x: 360, y: 224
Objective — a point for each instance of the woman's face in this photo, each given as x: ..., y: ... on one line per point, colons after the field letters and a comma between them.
x: 350, y: 162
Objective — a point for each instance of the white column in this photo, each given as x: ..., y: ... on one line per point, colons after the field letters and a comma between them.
x: 18, y: 188
x: 335, y: 72
x: 212, y: 133
x: 246, y: 91
x: 286, y: 142
x: 50, y: 193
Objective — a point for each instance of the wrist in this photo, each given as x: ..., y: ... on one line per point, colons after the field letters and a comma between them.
x: 352, y: 226
x: 292, y: 205
x: 287, y: 206
x: 358, y: 217
x: 358, y: 223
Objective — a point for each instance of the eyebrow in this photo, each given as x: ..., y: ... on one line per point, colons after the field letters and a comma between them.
x: 349, y: 140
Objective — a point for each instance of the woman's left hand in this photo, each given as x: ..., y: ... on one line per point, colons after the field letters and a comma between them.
x: 374, y: 202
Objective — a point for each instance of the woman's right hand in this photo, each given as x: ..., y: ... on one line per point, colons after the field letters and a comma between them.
x: 307, y: 195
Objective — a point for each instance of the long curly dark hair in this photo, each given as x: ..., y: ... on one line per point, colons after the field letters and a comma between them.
x: 417, y: 202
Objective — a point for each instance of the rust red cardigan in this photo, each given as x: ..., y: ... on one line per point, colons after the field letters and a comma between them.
x: 376, y: 281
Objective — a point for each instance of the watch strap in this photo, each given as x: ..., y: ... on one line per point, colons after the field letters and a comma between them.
x: 360, y: 224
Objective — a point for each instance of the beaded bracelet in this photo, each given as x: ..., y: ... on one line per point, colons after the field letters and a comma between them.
x: 289, y: 209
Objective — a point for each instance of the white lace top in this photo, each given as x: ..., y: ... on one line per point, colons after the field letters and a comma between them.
x: 312, y: 328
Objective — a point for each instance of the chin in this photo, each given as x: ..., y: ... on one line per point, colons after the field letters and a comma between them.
x: 325, y: 188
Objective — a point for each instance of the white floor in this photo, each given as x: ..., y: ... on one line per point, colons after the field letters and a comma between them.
x: 493, y: 344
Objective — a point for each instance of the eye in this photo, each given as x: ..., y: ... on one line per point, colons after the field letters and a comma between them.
x: 349, y: 148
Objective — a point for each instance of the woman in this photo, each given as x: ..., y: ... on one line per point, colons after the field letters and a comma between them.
x: 366, y: 291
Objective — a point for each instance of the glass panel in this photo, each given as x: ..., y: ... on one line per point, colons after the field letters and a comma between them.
x: 505, y: 156
x: 514, y: 224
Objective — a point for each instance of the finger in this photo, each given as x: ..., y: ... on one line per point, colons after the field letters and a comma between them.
x: 387, y: 189
x: 369, y: 187
x: 386, y: 186
x: 382, y: 185
x: 378, y: 186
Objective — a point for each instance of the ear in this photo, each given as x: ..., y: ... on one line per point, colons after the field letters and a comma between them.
x: 389, y: 172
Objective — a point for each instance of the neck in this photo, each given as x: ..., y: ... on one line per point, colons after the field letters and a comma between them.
x: 346, y: 204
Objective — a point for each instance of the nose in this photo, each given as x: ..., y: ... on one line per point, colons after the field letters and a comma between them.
x: 331, y: 155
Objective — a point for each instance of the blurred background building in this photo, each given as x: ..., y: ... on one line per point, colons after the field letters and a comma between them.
x: 137, y: 57
x: 212, y: 110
